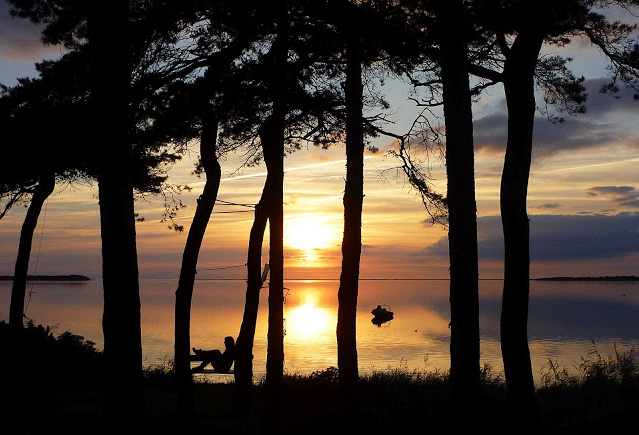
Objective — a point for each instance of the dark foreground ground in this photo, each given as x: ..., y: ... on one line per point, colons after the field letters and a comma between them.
x: 61, y: 393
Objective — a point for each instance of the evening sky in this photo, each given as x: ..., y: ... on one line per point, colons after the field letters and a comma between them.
x: 583, y: 197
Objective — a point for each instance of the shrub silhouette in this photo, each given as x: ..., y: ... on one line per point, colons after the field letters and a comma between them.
x: 39, y: 359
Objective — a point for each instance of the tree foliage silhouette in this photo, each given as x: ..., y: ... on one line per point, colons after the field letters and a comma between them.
x: 57, y: 102
x: 203, y: 101
x: 438, y: 69
x: 128, y: 154
x: 267, y: 78
x: 277, y: 92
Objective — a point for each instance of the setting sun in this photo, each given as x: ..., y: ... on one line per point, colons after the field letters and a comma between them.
x: 308, y: 232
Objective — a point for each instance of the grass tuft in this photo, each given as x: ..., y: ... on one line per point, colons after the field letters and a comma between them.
x: 594, y: 371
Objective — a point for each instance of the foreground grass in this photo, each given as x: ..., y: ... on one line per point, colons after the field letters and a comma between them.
x: 61, y: 393
x: 600, y: 395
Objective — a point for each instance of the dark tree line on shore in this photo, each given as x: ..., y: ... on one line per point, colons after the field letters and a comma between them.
x: 140, y: 79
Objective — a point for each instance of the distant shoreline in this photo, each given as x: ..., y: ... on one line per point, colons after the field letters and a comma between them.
x: 49, y: 278
x: 589, y: 278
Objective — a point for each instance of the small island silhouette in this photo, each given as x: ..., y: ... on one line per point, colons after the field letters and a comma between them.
x: 49, y: 278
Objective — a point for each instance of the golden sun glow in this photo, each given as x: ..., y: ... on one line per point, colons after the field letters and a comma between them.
x: 308, y: 232
x: 308, y: 322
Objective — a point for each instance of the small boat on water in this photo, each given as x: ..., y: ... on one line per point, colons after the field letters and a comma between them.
x: 382, y: 315
x: 382, y: 312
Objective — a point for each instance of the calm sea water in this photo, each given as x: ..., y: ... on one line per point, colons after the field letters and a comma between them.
x: 566, y: 318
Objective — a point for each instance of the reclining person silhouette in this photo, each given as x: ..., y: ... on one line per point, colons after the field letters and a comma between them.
x: 221, y: 362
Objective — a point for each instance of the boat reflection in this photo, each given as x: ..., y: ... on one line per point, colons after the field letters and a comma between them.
x: 380, y: 320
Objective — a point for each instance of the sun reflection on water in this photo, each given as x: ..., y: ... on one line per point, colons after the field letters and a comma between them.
x: 564, y: 317
x: 309, y: 323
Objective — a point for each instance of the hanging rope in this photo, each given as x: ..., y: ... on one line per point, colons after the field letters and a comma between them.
x: 234, y: 203
x: 223, y: 267
x: 236, y: 211
x: 35, y: 269
x: 222, y: 202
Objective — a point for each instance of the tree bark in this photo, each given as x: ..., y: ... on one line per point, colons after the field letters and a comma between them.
x: 519, y: 87
x: 462, y: 209
x: 45, y: 187
x: 353, y: 202
x: 184, y: 292
x: 110, y: 77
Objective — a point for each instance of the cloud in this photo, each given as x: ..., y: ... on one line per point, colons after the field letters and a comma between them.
x: 624, y: 196
x: 599, y: 103
x: 490, y: 134
x: 548, y: 206
x: 587, y: 131
x: 438, y: 249
x: 558, y: 237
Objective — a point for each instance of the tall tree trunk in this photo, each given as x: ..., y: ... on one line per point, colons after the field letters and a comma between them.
x: 184, y: 292
x: 245, y: 339
x: 273, y: 141
x: 520, y: 98
x: 462, y: 209
x: 273, y: 145
x: 110, y: 75
x: 45, y: 187
x: 353, y: 201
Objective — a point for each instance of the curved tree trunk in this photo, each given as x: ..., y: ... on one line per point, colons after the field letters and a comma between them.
x: 462, y: 209
x: 271, y: 207
x: 245, y: 339
x: 14, y: 346
x: 184, y: 292
x: 45, y: 187
x: 353, y: 202
x: 520, y: 98
x: 110, y: 78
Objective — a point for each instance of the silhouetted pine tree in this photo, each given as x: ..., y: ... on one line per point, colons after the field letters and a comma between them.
x: 288, y: 101
x: 440, y: 66
x: 517, y: 32
x: 353, y: 201
x: 110, y: 77
x: 450, y: 33
x: 123, y: 157
x: 203, y: 100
